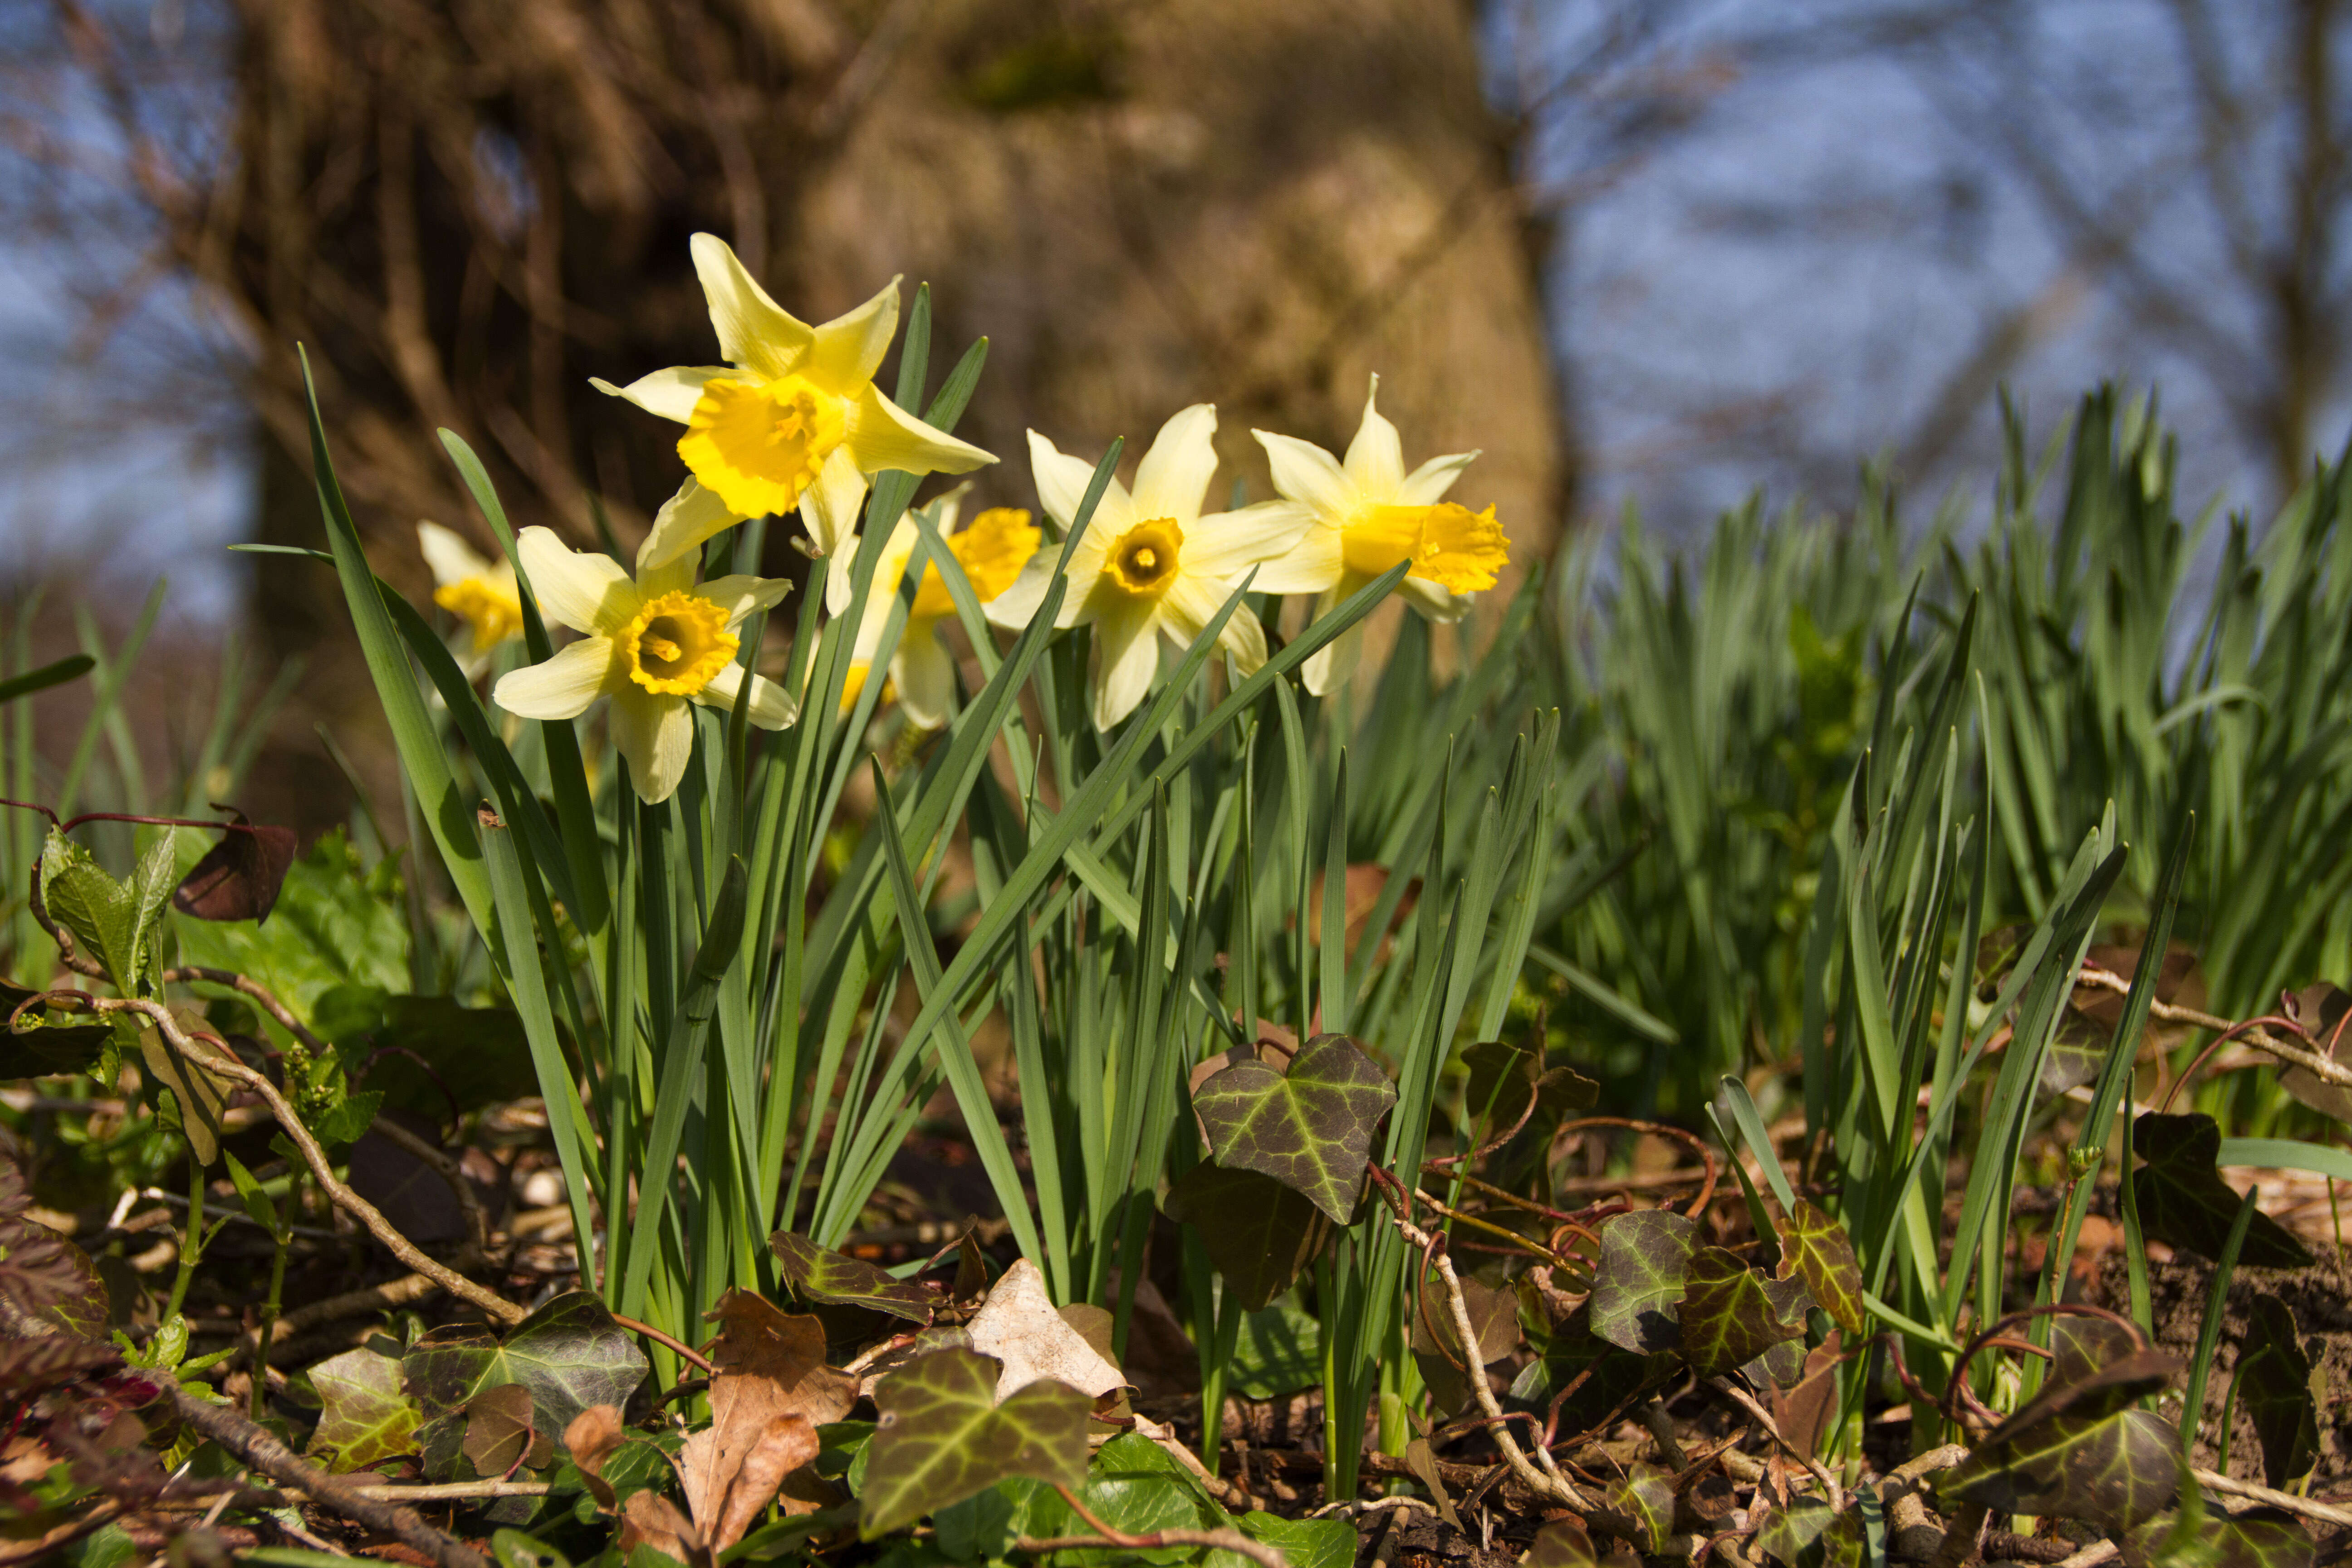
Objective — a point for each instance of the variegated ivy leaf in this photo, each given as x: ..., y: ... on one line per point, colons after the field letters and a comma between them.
x: 570, y: 1354
x: 2117, y: 1471
x: 1638, y: 1278
x: 1310, y: 1128
x: 1259, y: 1235
x: 2184, y: 1202
x: 1639, y: 1506
x: 1727, y: 1317
x: 1815, y: 1248
x: 818, y: 1274
x: 365, y: 1418
x: 2260, y: 1538
x: 942, y: 1437
x: 2274, y: 1388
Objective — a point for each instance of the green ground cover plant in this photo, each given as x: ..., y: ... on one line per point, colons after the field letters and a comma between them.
x: 1652, y: 1069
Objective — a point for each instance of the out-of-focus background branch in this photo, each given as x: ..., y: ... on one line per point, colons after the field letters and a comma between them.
x: 1652, y: 249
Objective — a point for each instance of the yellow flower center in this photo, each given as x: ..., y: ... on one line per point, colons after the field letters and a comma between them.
x: 1143, y: 562
x: 677, y: 642
x: 1455, y: 548
x: 758, y: 443
x: 494, y: 612
x: 991, y: 552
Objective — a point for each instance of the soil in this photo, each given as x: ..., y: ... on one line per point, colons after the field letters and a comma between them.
x: 2320, y: 1298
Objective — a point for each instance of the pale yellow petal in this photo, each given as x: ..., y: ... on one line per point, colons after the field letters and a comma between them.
x: 448, y: 557
x: 1306, y: 473
x: 562, y: 687
x: 1062, y: 482
x: 741, y: 595
x: 1333, y: 664
x: 1173, y: 478
x: 848, y: 349
x: 1017, y: 606
x: 925, y: 676
x: 829, y: 508
x: 1125, y: 657
x: 771, y: 707
x: 655, y: 734
x: 585, y: 592
x: 692, y: 517
x: 883, y: 437
x: 1228, y: 544
x: 1375, y: 459
x: 671, y: 393
x: 754, y: 330
x: 1191, y: 603
x: 1427, y: 485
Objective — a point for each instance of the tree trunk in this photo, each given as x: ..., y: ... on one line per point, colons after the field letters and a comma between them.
x: 466, y: 208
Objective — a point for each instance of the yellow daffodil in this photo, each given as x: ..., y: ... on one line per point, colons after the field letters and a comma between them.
x: 1149, y: 566
x: 992, y: 552
x: 792, y: 419
x: 1367, y: 515
x: 652, y: 646
x: 478, y: 592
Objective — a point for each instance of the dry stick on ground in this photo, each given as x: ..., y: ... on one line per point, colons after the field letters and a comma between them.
x: 1546, y: 1482
x: 2326, y: 1514
x: 477, y: 1225
x: 1106, y: 1536
x: 342, y: 1196
x: 1763, y: 1417
x: 2328, y: 1070
x: 256, y: 1447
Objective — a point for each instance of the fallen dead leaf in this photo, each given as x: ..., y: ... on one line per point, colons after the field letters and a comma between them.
x: 1019, y: 1326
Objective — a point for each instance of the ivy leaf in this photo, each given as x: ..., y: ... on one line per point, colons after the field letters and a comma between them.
x: 1815, y: 1248
x: 2259, y: 1538
x: 840, y: 1280
x: 34, y: 1047
x: 2115, y: 1471
x: 1638, y: 1278
x: 1611, y: 1375
x: 500, y: 1436
x: 1259, y: 1233
x: 238, y: 878
x: 2183, y: 1200
x: 1792, y: 1533
x: 1639, y: 1506
x: 570, y: 1354
x: 2077, y: 1051
x: 1306, y: 1542
x: 2274, y: 1389
x: 941, y: 1437
x: 1278, y: 1351
x: 366, y: 1419
x: 1562, y: 1545
x: 1726, y: 1318
x: 1310, y: 1128
x: 1504, y: 1077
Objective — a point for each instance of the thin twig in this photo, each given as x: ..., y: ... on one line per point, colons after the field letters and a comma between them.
x: 655, y: 1335
x: 2091, y: 1557
x: 1107, y: 1536
x: 322, y: 1170
x: 2326, y: 1512
x: 1763, y: 1418
x: 1546, y: 1482
x: 259, y: 1449
x: 2325, y: 1068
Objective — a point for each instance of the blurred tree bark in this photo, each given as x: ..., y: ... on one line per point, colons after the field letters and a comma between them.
x: 465, y: 208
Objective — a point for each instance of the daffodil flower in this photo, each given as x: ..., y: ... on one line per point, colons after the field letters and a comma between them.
x: 991, y: 552
x: 1366, y: 515
x: 1149, y: 567
x: 478, y: 592
x: 652, y: 646
x: 792, y: 417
